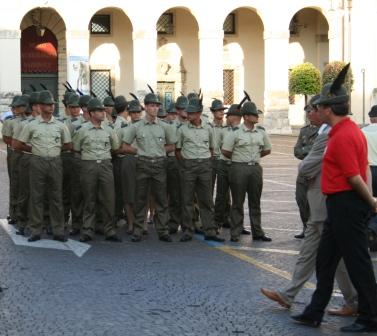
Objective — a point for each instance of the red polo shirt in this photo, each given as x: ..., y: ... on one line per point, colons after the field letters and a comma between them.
x: 346, y: 155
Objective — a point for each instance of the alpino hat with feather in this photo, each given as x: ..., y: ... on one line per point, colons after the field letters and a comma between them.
x: 334, y: 93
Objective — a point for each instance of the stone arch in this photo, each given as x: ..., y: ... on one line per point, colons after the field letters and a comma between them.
x: 114, y: 52
x: 244, y: 55
x: 178, y: 55
x: 49, y: 18
x: 309, y: 37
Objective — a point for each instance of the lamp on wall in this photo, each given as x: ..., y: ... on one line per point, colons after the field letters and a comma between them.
x: 36, y: 18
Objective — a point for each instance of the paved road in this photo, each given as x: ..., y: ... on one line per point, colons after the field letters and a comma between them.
x: 153, y: 288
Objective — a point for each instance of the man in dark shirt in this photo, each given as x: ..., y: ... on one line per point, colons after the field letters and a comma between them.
x: 349, y: 203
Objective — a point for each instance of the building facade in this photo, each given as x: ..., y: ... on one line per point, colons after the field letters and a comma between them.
x: 178, y: 46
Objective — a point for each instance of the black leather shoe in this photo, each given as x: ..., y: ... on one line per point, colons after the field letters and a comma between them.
x: 300, y: 235
x: 60, y: 238
x: 136, y: 239
x: 12, y: 221
x: 246, y: 232
x: 185, y: 238
x: 85, y: 238
x: 34, y: 238
x: 262, y: 238
x: 113, y: 238
x: 74, y: 232
x: 214, y: 238
x: 173, y: 231
x: 234, y: 239
x: 359, y: 328
x: 166, y: 238
x: 20, y: 232
x: 302, y: 319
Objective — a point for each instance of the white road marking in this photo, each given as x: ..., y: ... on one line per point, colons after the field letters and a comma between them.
x: 265, y: 200
x: 280, y: 183
x: 71, y: 245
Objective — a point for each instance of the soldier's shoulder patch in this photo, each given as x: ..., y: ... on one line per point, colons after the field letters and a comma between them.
x: 261, y: 128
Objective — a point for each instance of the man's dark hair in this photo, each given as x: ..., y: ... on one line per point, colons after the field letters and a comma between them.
x: 120, y: 109
x: 340, y: 109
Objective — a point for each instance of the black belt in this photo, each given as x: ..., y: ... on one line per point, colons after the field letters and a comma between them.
x: 151, y: 160
x: 246, y: 163
x: 198, y: 160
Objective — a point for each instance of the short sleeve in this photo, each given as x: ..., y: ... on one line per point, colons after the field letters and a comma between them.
x: 25, y: 134
x: 66, y: 135
x: 128, y: 135
x: 266, y: 142
x: 347, y: 158
x: 114, y: 140
x: 229, y: 142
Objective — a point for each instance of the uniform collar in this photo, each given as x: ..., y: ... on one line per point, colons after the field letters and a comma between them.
x: 245, y: 129
x: 193, y: 126
x: 91, y: 126
x: 146, y: 122
x: 41, y: 120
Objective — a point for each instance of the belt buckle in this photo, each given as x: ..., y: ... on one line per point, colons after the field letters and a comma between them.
x: 250, y: 163
x: 99, y: 161
x: 153, y: 161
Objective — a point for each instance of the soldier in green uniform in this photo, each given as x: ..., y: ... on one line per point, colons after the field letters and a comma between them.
x: 19, y: 107
x: 109, y: 103
x: 47, y: 137
x: 194, y: 151
x: 120, y: 108
x: 22, y: 208
x: 222, y: 201
x: 173, y: 179
x: 83, y: 102
x: 304, y: 143
x: 129, y: 166
x: 71, y: 168
x: 245, y: 146
x: 153, y: 140
x: 217, y: 108
x: 96, y: 142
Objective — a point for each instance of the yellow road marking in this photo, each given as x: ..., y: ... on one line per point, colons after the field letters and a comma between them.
x: 261, y: 265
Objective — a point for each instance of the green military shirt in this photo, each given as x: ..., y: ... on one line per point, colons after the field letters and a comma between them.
x: 151, y: 137
x: 46, y: 138
x: 217, y: 131
x: 95, y: 143
x: 6, y: 131
x: 226, y: 130
x: 305, y: 141
x: 119, y: 122
x: 13, y: 125
x: 20, y: 126
x: 195, y: 142
x: 246, y: 144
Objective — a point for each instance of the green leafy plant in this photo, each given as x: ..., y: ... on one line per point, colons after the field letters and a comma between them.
x: 304, y: 79
x: 332, y: 69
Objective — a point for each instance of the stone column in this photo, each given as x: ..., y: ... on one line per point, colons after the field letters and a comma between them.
x: 211, y: 65
x: 276, y: 81
x: 78, y: 74
x: 145, y: 60
x: 335, y: 35
x: 10, y: 66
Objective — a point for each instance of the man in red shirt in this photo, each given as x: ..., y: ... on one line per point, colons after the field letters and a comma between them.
x: 349, y: 204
